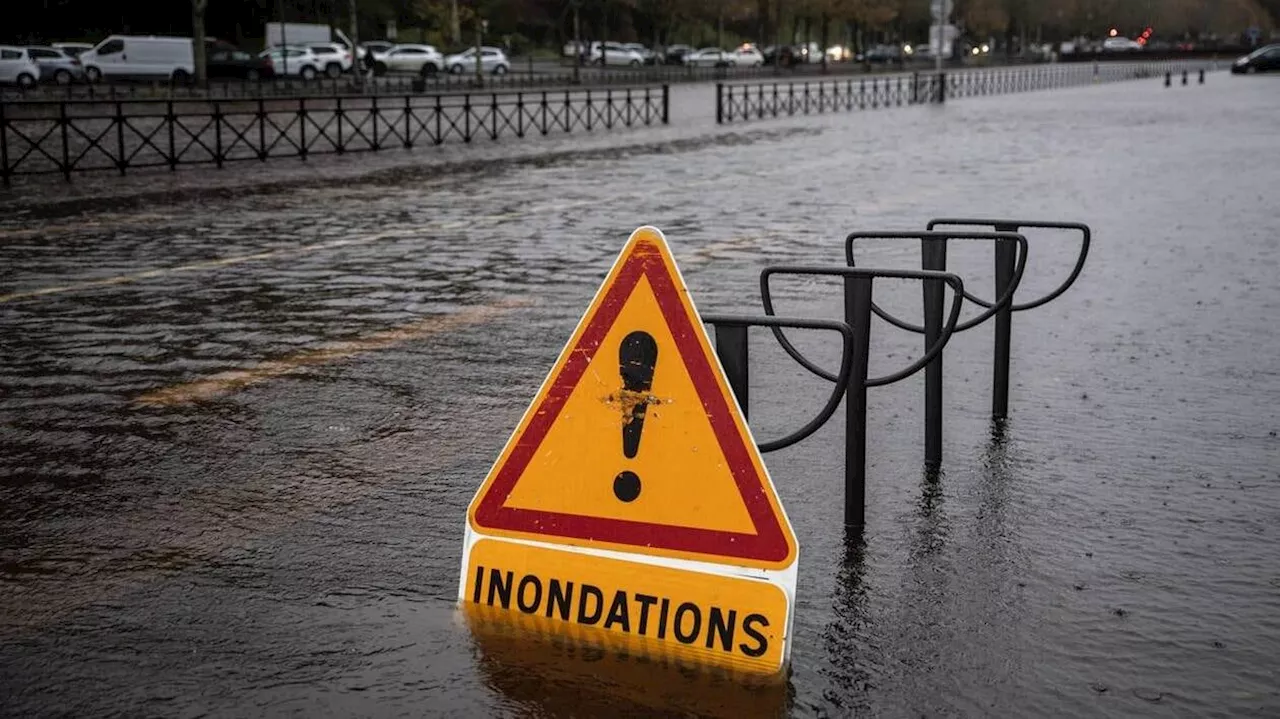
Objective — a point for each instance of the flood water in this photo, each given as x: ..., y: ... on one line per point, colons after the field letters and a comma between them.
x: 239, y: 431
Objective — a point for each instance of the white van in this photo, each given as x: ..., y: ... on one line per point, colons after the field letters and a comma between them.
x: 130, y: 56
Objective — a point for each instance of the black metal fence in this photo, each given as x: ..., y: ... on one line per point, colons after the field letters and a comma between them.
x: 69, y: 136
x: 748, y: 101
x: 761, y: 100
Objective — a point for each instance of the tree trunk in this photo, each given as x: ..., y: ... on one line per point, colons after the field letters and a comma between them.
x: 720, y: 29
x: 822, y: 44
x: 455, y: 24
x: 357, y: 67
x: 197, y: 41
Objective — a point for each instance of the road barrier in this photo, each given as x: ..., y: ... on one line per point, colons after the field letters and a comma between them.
x: 65, y: 137
x: 747, y: 101
x: 851, y: 380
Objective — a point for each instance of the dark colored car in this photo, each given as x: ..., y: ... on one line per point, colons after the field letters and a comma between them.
x: 883, y: 54
x: 226, y: 62
x: 674, y: 54
x: 1264, y: 59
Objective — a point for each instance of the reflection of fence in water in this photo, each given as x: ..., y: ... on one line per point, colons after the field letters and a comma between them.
x: 48, y: 137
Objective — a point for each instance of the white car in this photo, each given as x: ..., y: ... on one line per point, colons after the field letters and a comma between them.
x: 335, y: 59
x: 747, y: 57
x: 1120, y: 44
x: 136, y: 56
x: 417, y: 59
x: 17, y: 67
x: 294, y: 61
x: 709, y: 57
x: 573, y: 49
x: 614, y: 53
x: 56, y: 65
x: 492, y: 60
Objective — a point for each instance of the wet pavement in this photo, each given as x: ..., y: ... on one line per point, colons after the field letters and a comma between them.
x: 239, y: 431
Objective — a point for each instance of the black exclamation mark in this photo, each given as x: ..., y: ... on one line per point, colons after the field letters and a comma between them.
x: 637, y: 356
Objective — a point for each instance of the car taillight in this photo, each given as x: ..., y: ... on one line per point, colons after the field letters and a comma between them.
x: 75, y: 61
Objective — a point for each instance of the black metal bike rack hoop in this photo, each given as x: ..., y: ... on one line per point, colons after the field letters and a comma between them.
x: 731, y: 349
x: 858, y: 287
x: 1011, y: 261
x: 1004, y: 317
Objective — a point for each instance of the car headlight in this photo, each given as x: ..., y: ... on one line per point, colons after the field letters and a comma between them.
x: 1242, y: 60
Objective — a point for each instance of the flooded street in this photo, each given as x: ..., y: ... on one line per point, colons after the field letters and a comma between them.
x: 239, y: 430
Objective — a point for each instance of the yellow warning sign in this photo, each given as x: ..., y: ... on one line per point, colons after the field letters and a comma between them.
x: 709, y: 619
x: 635, y: 450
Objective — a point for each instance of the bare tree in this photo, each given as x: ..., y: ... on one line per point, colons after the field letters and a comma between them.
x: 197, y: 41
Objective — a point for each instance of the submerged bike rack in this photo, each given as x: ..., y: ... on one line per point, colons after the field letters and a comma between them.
x: 1011, y: 260
x: 1004, y: 266
x: 851, y: 381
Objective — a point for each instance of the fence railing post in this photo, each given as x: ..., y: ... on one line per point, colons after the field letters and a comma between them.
x: 217, y: 134
x: 341, y: 147
x: 720, y: 103
x: 666, y: 103
x: 302, y: 128
x: 120, y: 137
x: 262, y: 130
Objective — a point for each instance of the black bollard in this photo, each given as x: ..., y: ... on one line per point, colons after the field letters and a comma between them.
x: 1202, y: 76
x: 1168, y: 79
x: 1184, y: 77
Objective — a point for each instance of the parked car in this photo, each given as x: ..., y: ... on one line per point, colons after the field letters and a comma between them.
x: 417, y: 59
x: 748, y: 56
x: 709, y: 57
x: 377, y: 47
x: 882, y: 54
x: 648, y: 56
x: 674, y: 54
x: 492, y: 60
x: 807, y: 53
x: 293, y: 62
x: 73, y: 48
x: 133, y: 56
x: 1264, y: 59
x: 230, y: 62
x: 1120, y: 44
x: 921, y: 52
x: 335, y: 59
x: 573, y: 49
x: 56, y: 65
x: 17, y: 67
x: 614, y: 53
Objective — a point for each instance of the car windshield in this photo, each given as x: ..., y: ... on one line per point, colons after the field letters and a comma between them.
x: 1264, y: 51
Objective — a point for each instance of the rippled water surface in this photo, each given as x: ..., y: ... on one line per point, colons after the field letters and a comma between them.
x: 238, y: 432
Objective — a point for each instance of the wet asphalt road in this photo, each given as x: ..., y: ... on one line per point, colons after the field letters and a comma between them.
x: 239, y: 432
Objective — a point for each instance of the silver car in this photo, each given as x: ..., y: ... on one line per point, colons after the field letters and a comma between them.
x: 492, y: 60
x: 57, y: 65
x: 417, y: 59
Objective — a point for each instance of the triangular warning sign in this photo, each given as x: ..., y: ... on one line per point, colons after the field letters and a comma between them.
x: 635, y: 443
